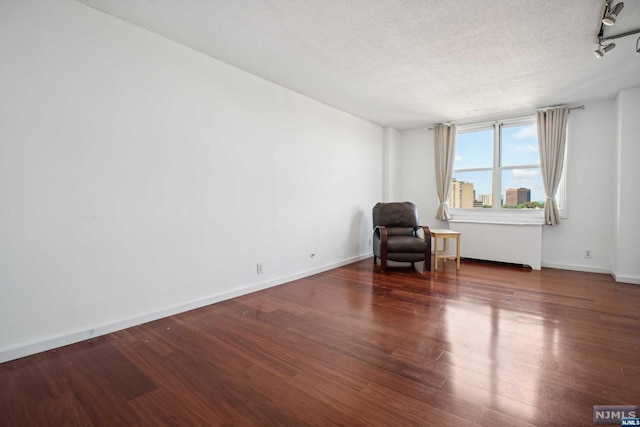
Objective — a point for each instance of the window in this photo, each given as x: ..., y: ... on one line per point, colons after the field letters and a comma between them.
x: 497, y: 168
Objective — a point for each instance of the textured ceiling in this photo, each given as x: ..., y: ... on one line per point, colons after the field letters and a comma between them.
x: 407, y: 63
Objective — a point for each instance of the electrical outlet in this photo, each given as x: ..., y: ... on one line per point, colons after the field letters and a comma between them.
x: 259, y: 268
x: 587, y: 253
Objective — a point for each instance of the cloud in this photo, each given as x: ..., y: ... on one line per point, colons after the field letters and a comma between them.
x: 525, y: 173
x: 526, y: 148
x: 526, y: 132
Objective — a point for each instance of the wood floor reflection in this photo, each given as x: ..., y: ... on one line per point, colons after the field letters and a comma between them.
x: 486, y: 345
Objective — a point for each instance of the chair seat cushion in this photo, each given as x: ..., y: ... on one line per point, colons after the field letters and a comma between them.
x: 406, y: 244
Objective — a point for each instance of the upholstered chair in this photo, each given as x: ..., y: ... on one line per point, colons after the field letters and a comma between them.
x: 396, y: 237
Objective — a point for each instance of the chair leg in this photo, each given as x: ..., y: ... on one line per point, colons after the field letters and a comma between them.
x: 383, y: 264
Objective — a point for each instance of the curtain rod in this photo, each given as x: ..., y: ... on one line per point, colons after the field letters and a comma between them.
x: 573, y: 107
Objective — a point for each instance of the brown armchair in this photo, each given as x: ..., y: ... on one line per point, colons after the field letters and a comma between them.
x: 395, y: 235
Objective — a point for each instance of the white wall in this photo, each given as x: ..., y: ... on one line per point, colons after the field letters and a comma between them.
x: 139, y: 178
x: 417, y: 175
x: 591, y: 141
x: 391, y: 180
x: 627, y: 246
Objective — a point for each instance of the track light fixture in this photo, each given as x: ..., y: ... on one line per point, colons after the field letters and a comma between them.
x: 603, y: 49
x: 609, y: 15
x: 612, y: 14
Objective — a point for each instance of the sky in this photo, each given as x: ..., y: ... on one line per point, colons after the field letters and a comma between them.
x: 519, y: 147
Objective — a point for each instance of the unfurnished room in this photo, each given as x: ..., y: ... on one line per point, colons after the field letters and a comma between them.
x: 315, y: 213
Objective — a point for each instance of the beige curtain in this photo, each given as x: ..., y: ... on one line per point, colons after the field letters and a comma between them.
x: 445, y: 141
x: 552, y: 136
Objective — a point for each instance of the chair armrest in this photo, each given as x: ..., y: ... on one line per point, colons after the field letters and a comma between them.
x: 425, y: 230
x: 427, y: 240
x: 381, y: 230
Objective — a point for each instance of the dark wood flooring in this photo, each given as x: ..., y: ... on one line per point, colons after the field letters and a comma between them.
x: 488, y: 345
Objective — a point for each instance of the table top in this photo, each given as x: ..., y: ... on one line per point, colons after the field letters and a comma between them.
x: 443, y: 231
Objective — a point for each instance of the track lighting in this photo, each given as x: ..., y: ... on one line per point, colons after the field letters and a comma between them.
x: 610, y: 17
x: 604, y: 49
x: 604, y: 41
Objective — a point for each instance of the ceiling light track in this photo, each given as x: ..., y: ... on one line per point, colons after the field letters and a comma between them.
x: 608, y: 19
x: 617, y: 36
x: 602, y: 48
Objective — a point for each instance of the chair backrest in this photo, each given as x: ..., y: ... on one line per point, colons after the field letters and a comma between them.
x: 398, y: 217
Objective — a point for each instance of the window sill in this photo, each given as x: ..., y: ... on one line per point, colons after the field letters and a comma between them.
x: 533, y: 218
x: 483, y: 221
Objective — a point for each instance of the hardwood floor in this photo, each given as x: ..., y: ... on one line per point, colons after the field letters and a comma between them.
x: 487, y: 345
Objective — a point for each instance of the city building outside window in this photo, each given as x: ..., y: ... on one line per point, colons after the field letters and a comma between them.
x: 497, y: 168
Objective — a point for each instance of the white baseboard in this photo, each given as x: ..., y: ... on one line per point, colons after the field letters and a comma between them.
x: 589, y: 269
x: 37, y: 346
x: 626, y: 279
x: 577, y: 267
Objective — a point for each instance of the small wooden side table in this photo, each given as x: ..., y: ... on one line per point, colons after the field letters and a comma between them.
x: 444, y: 234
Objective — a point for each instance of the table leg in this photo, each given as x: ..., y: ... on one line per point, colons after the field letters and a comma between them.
x: 458, y: 251
x: 435, y: 256
x: 445, y: 250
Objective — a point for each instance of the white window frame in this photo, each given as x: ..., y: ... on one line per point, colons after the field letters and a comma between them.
x: 496, y: 213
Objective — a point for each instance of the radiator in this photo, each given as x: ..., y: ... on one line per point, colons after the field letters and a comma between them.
x: 518, y: 243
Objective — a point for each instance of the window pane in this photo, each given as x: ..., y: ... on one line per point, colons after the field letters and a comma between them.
x: 470, y: 190
x: 519, y: 146
x: 474, y: 150
x: 522, y: 189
